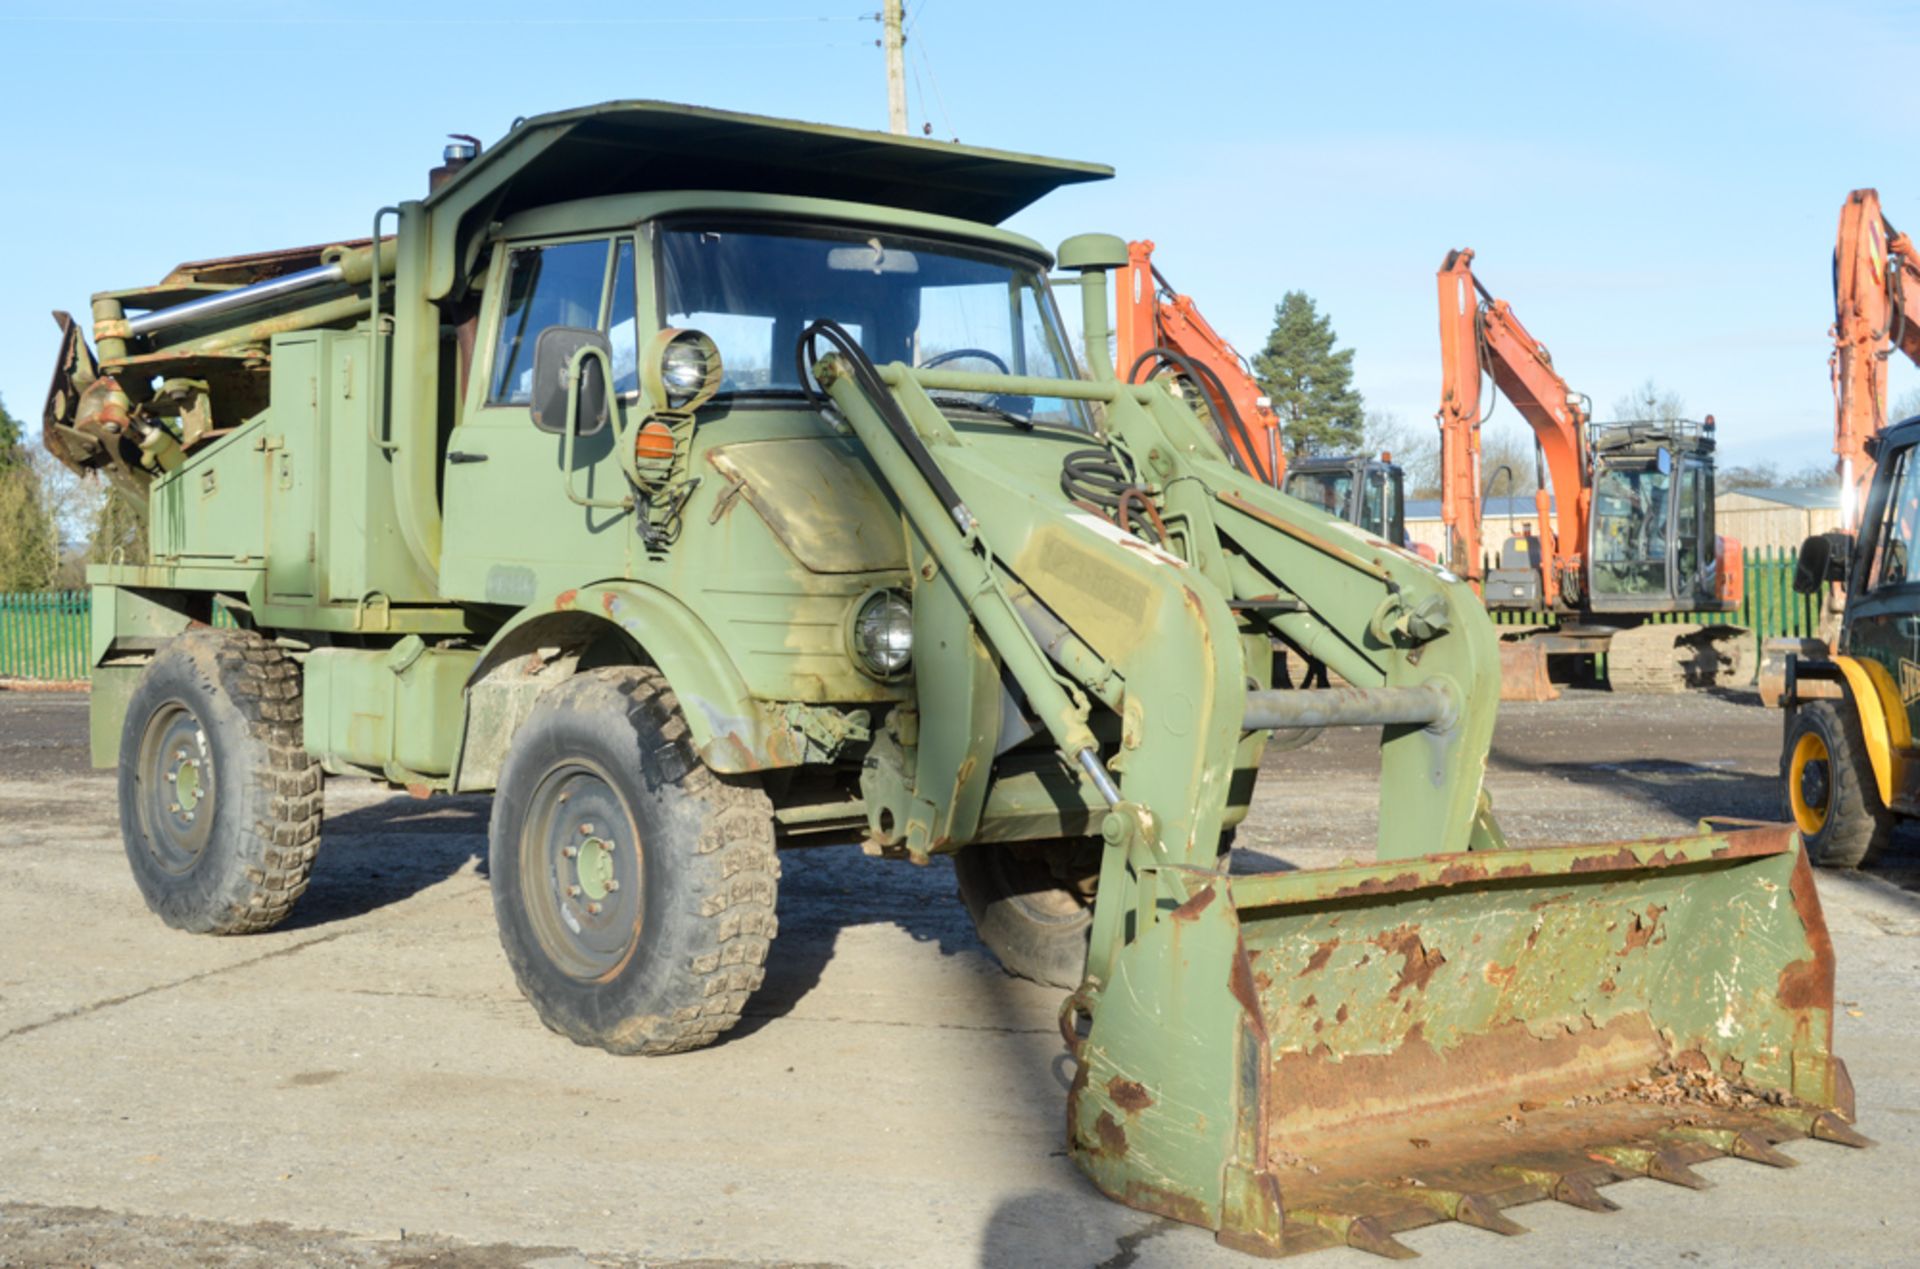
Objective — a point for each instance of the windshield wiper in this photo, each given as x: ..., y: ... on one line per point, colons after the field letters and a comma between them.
x: 983, y: 407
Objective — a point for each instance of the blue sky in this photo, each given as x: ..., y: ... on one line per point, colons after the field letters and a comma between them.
x: 1654, y: 186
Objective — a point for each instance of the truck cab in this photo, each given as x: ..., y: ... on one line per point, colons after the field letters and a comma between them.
x: 1361, y: 489
x: 1652, y: 538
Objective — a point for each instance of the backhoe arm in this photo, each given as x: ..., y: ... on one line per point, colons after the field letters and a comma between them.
x: 1876, y: 309
x: 1150, y: 315
x: 1480, y: 334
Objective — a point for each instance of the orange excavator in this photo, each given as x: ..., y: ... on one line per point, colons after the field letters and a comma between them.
x: 1623, y: 524
x: 1160, y: 332
x: 1876, y: 309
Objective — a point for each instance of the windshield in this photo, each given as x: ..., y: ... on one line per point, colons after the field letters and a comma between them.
x: 1331, y: 491
x: 1630, y: 509
x: 754, y: 288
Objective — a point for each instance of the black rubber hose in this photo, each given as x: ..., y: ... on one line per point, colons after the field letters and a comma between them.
x: 1226, y: 414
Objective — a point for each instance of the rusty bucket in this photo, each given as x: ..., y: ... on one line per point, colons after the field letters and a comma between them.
x: 1306, y: 1059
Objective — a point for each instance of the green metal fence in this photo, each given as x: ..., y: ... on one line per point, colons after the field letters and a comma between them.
x: 44, y: 635
x: 1769, y: 609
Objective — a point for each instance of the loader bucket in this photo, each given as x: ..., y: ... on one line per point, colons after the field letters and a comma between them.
x: 1330, y: 1057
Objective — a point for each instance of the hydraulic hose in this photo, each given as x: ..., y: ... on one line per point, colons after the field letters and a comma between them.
x: 1226, y: 415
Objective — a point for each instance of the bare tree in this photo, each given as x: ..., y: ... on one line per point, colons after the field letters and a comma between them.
x: 1415, y: 448
x: 1648, y: 403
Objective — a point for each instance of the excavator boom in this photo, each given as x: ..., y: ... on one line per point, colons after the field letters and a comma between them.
x: 1480, y: 336
x: 1876, y: 309
x: 1161, y: 331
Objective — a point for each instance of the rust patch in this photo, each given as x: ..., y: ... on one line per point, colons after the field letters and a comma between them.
x: 607, y: 601
x: 1113, y: 1138
x: 1732, y: 1068
x: 1643, y: 928
x: 1340, y: 1014
x: 1240, y: 982
x: 1498, y: 975
x: 1381, y: 885
x: 1181, y: 1207
x: 566, y: 598
x: 1691, y: 1060
x: 1128, y: 1095
x: 1808, y: 984
x: 1321, y: 955
x: 1619, y: 859
x: 1192, y: 907
x: 1310, y: 1001
x: 1421, y: 961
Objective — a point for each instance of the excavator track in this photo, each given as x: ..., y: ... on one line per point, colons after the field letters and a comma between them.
x: 1682, y: 656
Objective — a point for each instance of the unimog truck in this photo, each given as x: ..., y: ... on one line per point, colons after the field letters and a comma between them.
x: 702, y: 484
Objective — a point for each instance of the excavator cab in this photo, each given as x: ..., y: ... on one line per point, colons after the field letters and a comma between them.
x: 1652, y: 538
x: 1360, y: 489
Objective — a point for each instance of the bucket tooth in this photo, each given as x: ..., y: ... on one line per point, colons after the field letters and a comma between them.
x: 1571, y: 1188
x: 1362, y: 1233
x: 1823, y: 1125
x: 1828, y: 1126
x: 1476, y: 1210
x: 1741, y: 1144
x: 1661, y: 1164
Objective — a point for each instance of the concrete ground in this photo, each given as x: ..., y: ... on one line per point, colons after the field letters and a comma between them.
x: 365, y: 1087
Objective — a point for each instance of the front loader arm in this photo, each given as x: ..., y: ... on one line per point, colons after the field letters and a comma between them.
x: 1262, y: 1054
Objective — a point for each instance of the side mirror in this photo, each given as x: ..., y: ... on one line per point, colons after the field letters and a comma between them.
x: 1824, y: 557
x: 553, y: 361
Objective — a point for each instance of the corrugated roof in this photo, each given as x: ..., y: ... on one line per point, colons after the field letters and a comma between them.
x: 1496, y: 508
x: 1807, y: 498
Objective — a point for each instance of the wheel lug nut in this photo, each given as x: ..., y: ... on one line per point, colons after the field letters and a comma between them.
x: 568, y: 852
x: 573, y: 892
x: 586, y: 830
x: 170, y: 777
x: 593, y: 909
x: 173, y: 808
x: 613, y: 883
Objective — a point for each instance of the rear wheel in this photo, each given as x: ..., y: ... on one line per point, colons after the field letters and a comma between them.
x: 633, y: 887
x: 1830, y: 791
x: 1032, y: 903
x: 219, y: 804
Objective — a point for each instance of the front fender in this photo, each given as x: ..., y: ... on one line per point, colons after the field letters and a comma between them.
x: 732, y: 732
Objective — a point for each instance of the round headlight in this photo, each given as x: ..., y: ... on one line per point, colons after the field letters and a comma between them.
x: 680, y: 369
x: 683, y: 370
x: 882, y: 634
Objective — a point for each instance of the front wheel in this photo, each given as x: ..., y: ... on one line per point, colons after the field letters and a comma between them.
x: 1830, y: 791
x: 633, y: 887
x: 1032, y: 904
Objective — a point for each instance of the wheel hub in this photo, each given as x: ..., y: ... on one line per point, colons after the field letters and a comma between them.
x: 593, y: 865
x: 185, y: 779
x: 1813, y: 785
x: 582, y: 874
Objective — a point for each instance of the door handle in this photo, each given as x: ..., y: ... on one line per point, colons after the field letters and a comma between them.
x: 461, y: 456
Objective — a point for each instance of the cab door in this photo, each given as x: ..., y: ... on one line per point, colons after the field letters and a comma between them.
x: 1883, y: 615
x: 513, y: 534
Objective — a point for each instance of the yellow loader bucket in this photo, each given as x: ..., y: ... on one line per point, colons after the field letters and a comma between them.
x: 1306, y: 1059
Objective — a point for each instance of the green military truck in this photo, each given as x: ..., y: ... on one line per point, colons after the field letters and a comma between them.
x: 701, y: 484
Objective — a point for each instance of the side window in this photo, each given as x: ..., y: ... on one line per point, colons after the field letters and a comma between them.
x: 1896, y: 555
x: 560, y: 285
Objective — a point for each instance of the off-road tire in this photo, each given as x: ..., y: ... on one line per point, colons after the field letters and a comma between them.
x: 1032, y: 919
x: 1857, y: 826
x: 669, y: 968
x: 233, y: 857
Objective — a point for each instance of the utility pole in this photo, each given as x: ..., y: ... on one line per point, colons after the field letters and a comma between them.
x: 895, y: 42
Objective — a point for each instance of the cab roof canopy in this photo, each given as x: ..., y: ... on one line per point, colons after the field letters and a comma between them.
x: 628, y: 147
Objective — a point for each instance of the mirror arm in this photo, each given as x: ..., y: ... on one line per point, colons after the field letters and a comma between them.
x: 571, y: 427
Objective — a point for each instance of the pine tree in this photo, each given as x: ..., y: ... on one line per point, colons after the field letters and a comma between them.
x: 1309, y: 382
x: 29, y: 554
